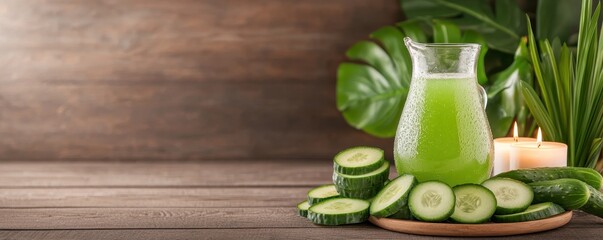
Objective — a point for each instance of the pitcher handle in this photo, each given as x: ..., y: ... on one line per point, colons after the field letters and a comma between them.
x: 484, y: 94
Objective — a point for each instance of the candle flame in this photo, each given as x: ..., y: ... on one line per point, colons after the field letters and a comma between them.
x: 539, y: 137
x: 515, y: 133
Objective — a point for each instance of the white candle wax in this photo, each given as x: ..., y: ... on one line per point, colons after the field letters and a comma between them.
x: 530, y: 155
x: 501, y: 153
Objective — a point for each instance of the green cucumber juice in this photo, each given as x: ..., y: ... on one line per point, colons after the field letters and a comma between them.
x: 443, y: 133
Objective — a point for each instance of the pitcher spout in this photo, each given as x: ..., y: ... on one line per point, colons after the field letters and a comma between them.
x: 410, y: 45
x: 450, y: 58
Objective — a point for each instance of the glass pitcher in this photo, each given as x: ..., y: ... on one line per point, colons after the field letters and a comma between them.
x: 443, y: 133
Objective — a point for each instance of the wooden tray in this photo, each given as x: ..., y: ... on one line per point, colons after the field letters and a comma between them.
x: 472, y: 230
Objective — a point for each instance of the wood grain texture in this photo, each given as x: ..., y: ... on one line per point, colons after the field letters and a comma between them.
x: 176, y: 80
x: 347, y: 232
x: 256, y: 173
x: 180, y: 174
x: 173, y: 218
x: 94, y: 201
x: 217, y: 197
x: 173, y: 122
x: 169, y: 218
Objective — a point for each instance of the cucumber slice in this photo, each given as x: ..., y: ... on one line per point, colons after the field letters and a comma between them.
x: 302, y: 208
x: 474, y: 204
x: 512, y: 196
x: 358, y: 160
x: 322, y: 193
x: 361, y: 193
x: 534, y: 212
x: 367, y: 180
x: 431, y: 201
x: 404, y: 214
x: 587, y: 175
x: 393, y: 196
x: 338, y: 211
x: 569, y: 193
x: 594, y: 205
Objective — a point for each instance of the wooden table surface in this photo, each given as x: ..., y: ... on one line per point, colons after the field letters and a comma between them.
x: 191, y: 200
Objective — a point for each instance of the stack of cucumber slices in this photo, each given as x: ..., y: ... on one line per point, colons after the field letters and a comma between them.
x: 361, y: 189
x: 360, y: 172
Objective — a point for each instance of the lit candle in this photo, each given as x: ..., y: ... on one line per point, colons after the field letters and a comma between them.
x: 501, y: 150
x: 538, y: 154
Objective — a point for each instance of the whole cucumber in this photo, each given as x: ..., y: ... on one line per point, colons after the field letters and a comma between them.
x: 594, y: 205
x: 587, y: 175
x: 567, y: 192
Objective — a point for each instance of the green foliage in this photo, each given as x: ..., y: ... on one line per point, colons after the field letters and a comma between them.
x: 371, y: 91
x: 501, y: 26
x: 558, y: 19
x: 418, y: 9
x: 505, y: 102
x: 371, y: 94
x: 587, y: 105
x: 568, y: 100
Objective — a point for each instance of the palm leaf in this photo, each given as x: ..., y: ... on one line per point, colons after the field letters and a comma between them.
x: 537, y: 109
x: 595, y: 152
x: 568, y: 103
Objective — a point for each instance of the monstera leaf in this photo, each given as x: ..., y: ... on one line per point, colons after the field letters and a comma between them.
x: 372, y: 90
x: 505, y: 102
x: 371, y: 94
x: 501, y: 26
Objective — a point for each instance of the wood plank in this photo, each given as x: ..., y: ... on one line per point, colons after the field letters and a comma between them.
x: 269, y: 120
x: 152, y: 197
x: 254, y: 173
x: 145, y: 80
x: 356, y: 232
x: 345, y: 232
x: 180, y: 218
x: 180, y: 174
x: 585, y: 220
x: 172, y: 218
x: 183, y: 40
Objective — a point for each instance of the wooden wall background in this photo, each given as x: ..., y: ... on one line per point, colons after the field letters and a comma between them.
x: 178, y: 79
